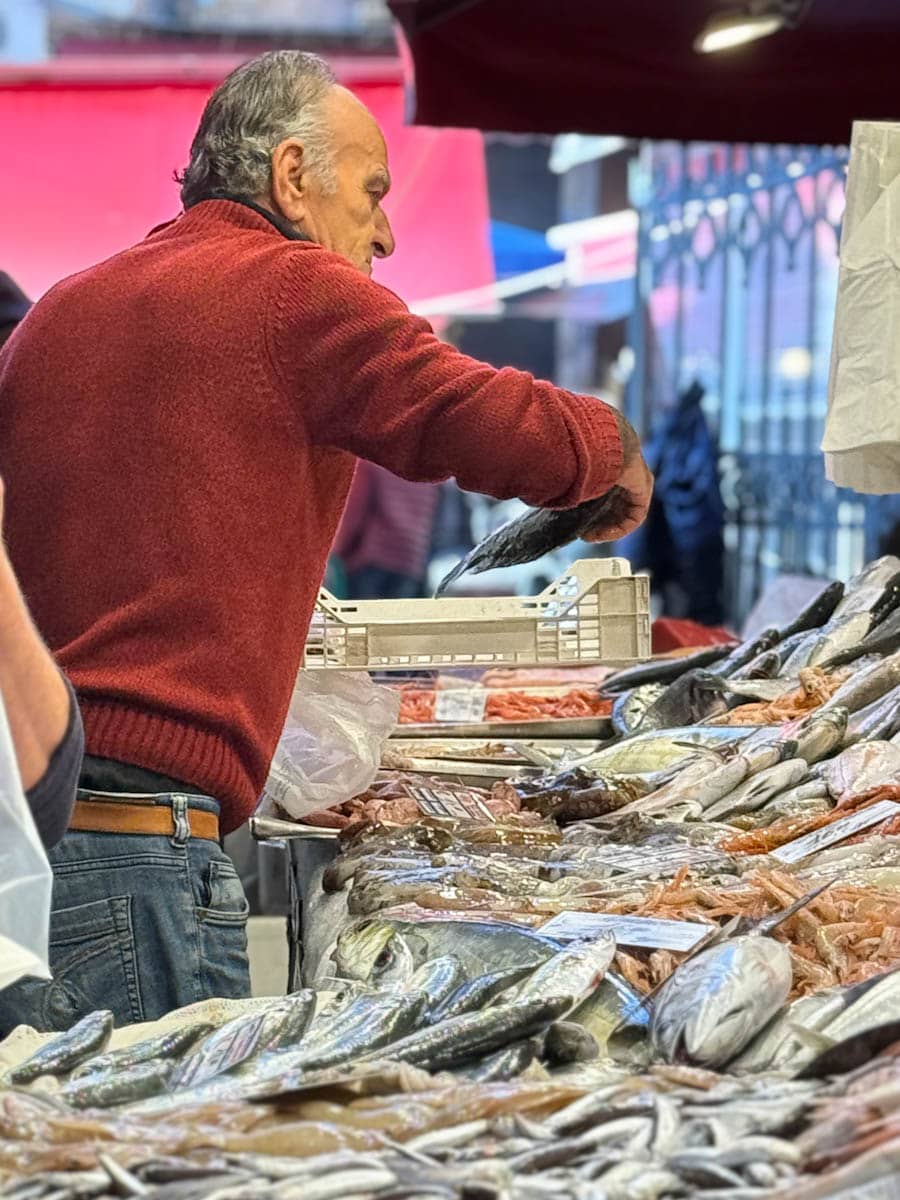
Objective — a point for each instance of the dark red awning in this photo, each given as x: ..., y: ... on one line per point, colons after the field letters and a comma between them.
x: 628, y: 67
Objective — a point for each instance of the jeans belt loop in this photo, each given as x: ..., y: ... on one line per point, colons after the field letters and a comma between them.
x: 182, y: 824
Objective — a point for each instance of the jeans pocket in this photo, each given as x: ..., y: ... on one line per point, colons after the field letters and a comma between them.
x: 223, y: 899
x: 222, y: 920
x: 94, y: 965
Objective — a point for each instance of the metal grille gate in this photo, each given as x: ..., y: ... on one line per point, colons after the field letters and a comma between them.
x: 736, y: 282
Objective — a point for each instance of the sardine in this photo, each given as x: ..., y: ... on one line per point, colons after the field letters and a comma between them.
x: 476, y: 993
x: 714, y: 1004
x: 664, y: 670
x: 108, y: 1089
x: 437, y: 979
x: 866, y: 686
x: 817, y: 612
x: 869, y: 581
x: 837, y: 636
x: 69, y: 1050
x: 575, y: 971
x: 819, y: 734
x: 459, y: 1038
x: 746, y: 652
x: 764, y: 666
x: 759, y: 789
x: 538, y: 532
x: 503, y: 1064
x: 170, y: 1046
x: 368, y: 1025
x: 279, y: 1024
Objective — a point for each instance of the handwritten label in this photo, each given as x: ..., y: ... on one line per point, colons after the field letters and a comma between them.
x: 460, y: 706
x: 458, y: 802
x: 828, y: 835
x: 656, y: 933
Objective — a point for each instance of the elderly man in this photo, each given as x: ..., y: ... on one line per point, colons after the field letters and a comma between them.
x: 180, y: 426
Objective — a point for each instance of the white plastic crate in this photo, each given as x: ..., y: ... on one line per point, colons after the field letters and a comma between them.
x: 598, y: 612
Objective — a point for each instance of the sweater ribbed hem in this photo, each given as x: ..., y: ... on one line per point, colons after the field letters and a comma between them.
x: 170, y: 747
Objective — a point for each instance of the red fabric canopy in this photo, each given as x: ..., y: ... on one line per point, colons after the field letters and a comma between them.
x: 88, y: 150
x: 630, y: 68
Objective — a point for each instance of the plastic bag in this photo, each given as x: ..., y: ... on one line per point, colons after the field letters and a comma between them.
x: 26, y: 880
x: 330, y: 749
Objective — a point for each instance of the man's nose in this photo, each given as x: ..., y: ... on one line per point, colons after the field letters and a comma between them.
x: 383, y: 240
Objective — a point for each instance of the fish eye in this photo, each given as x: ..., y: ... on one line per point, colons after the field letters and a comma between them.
x: 385, y: 958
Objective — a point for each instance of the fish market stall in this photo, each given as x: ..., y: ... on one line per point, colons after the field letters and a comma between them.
x: 662, y: 963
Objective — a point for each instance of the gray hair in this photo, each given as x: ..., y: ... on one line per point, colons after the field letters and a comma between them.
x: 266, y: 100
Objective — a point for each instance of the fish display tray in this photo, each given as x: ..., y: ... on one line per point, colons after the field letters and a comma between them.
x: 597, y: 612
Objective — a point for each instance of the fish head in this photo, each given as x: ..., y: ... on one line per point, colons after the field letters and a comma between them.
x: 711, y: 1007
x: 376, y: 953
x: 705, y: 692
x: 747, y: 980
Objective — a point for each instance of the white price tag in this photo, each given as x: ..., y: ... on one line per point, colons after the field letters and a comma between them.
x: 656, y: 933
x: 460, y: 706
x: 655, y: 862
x: 828, y: 835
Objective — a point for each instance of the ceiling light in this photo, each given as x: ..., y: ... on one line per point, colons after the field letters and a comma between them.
x: 756, y: 19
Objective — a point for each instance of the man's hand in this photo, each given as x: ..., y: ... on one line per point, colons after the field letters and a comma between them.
x: 636, y: 484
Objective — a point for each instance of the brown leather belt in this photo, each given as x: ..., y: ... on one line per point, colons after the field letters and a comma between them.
x: 115, y: 816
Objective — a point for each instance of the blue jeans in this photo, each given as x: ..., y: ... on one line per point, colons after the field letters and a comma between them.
x: 140, y: 925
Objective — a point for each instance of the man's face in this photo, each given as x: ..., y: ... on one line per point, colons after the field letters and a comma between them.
x: 344, y: 214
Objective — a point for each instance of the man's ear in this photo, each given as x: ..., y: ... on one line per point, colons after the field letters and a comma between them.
x: 290, y: 182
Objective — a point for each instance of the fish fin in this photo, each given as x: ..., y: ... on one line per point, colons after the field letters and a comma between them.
x: 461, y: 567
x: 812, y: 1038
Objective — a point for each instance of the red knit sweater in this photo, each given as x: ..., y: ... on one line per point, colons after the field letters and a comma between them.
x: 178, y: 432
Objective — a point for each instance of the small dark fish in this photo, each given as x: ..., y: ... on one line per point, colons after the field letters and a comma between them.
x: 884, y: 644
x: 692, y: 698
x: 852, y: 1052
x: 817, y: 613
x: 474, y: 1034
x: 887, y: 603
x: 747, y: 651
x: 475, y: 993
x: 109, y: 1088
x: 364, y: 1028
x: 538, y: 532
x: 503, y: 1064
x: 169, y: 1046
x: 567, y: 1042
x: 764, y: 666
x: 665, y: 670
x: 69, y: 1050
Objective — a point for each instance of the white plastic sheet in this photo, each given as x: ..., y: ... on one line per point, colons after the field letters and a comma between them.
x: 26, y: 880
x: 330, y: 749
x: 862, y: 429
